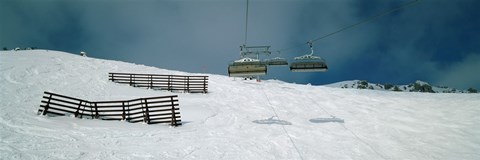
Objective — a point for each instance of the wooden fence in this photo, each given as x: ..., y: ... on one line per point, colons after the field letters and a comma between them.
x: 190, y: 84
x: 149, y: 110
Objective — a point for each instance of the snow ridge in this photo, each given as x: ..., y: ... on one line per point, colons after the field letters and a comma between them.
x: 417, y: 86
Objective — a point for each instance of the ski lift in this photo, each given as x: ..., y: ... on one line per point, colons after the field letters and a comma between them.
x: 309, y: 63
x: 277, y: 61
x: 249, y: 66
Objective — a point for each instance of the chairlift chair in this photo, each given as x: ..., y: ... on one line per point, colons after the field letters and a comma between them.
x: 309, y: 63
x: 277, y: 61
x: 248, y: 66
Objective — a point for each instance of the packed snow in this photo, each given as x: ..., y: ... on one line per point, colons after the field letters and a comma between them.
x: 236, y: 119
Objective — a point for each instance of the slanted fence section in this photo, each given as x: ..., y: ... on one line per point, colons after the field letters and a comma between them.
x: 149, y: 110
x: 176, y: 83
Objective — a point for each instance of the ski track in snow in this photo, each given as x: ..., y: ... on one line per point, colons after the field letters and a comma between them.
x: 221, y: 124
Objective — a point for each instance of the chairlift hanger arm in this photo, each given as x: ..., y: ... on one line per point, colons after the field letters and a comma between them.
x: 310, y: 43
x: 266, y: 47
x: 254, y: 50
x: 244, y: 53
x: 248, y: 48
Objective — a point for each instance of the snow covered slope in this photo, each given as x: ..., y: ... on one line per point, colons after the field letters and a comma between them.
x: 236, y: 120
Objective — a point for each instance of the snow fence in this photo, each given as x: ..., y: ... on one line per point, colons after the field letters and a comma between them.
x: 176, y: 83
x: 149, y: 110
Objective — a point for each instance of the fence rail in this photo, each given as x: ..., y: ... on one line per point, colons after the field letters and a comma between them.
x: 190, y: 84
x: 149, y: 110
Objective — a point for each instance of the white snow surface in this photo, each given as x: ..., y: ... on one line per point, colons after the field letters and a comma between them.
x: 236, y: 119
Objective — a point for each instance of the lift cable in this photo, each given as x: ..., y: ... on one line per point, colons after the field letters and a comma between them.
x: 374, y: 17
x: 246, y: 25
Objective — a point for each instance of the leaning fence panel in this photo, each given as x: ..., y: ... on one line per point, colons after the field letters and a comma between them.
x: 150, y: 110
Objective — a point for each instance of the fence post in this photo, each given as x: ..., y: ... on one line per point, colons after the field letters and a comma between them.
x: 48, y: 105
x: 78, y: 109
x: 96, y: 111
x: 174, y: 119
x: 128, y: 111
x: 91, y: 109
x: 130, y: 79
x: 151, y: 82
x: 113, y: 77
x: 168, y: 83
x: 83, y: 111
x: 188, y: 84
x: 147, y: 115
x: 123, y: 108
x: 205, y: 84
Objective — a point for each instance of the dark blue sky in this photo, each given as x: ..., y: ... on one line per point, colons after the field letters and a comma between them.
x: 435, y: 40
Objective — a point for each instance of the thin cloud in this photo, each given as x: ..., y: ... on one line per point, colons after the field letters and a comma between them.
x: 463, y: 74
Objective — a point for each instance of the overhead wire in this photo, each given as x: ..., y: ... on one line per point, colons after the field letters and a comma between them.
x: 371, y: 18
